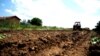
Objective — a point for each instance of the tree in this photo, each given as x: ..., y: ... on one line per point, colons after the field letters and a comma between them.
x: 36, y: 21
x: 97, y: 29
x: 23, y: 22
x: 29, y: 21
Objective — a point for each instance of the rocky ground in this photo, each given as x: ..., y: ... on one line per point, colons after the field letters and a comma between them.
x: 45, y: 43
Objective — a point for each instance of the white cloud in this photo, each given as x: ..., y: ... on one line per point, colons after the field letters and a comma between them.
x: 7, y: 10
x: 55, y: 13
x: 90, y: 6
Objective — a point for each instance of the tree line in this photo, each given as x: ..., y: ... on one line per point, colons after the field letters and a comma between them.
x: 34, y: 21
x: 97, y: 28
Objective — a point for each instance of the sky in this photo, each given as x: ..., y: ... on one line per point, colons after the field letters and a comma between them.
x: 61, y: 13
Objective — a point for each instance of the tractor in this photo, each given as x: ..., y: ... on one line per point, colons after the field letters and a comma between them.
x: 77, y: 26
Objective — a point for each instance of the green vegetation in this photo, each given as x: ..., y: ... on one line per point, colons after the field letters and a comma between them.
x: 31, y: 27
x: 7, y: 26
x: 95, y: 40
x: 2, y: 36
x: 26, y: 26
x: 35, y: 21
x: 96, y: 35
x: 34, y: 24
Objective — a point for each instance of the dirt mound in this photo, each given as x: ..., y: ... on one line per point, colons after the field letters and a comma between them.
x: 44, y: 43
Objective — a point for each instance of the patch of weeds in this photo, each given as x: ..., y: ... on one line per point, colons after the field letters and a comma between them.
x: 95, y: 40
x: 2, y: 36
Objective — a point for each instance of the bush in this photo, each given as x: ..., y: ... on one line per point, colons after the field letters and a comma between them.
x: 97, y: 29
x: 36, y: 21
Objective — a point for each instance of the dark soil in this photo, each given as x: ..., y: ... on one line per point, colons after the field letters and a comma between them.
x: 94, y: 50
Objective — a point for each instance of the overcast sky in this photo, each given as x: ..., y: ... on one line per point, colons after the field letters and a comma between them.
x: 62, y: 13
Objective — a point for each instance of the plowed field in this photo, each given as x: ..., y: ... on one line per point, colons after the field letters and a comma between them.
x: 45, y: 43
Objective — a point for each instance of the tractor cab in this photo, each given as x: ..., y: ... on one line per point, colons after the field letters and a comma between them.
x: 77, y: 26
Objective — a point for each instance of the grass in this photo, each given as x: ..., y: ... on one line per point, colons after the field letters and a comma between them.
x: 29, y: 27
x: 95, y: 38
